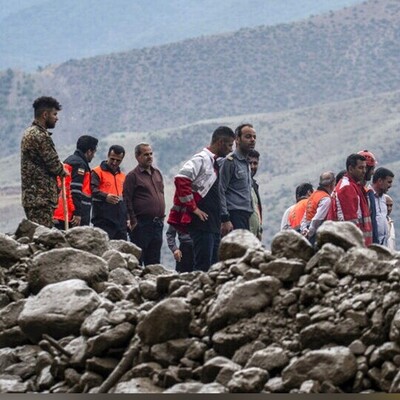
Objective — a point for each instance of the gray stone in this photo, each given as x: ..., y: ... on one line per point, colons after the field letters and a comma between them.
x: 86, y: 238
x: 148, y: 289
x: 195, y: 387
x: 249, y: 380
x: 13, y: 384
x: 115, y: 337
x: 13, y: 337
x: 114, y: 259
x: 343, y: 234
x: 291, y: 244
x: 170, y: 352
x: 237, y: 243
x: 168, y: 320
x: 10, y: 250
x: 121, y: 276
x: 45, y: 313
x: 9, y: 314
x: 283, y: 269
x: 7, y: 357
x: 241, y: 300
x: 49, y: 237
x: 123, y: 246
x: 212, y: 368
x: 92, y: 324
x: 59, y: 265
x: 26, y: 228
x: 243, y: 354
x: 275, y: 385
x: 136, y: 385
x: 336, y: 364
x: 270, y: 359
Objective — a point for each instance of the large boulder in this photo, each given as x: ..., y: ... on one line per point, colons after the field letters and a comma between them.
x: 11, y: 250
x: 168, y: 320
x: 59, y: 265
x: 343, y: 234
x: 124, y: 246
x: 58, y: 310
x: 236, y: 243
x: 291, y: 244
x: 241, y: 300
x: 336, y: 364
x: 92, y: 240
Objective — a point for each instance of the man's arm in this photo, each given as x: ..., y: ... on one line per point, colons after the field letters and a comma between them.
x: 320, y: 216
x: 128, y: 193
x: 349, y: 204
x: 50, y: 157
x: 225, y: 174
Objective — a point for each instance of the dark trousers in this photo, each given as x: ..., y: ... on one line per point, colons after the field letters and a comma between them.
x: 148, y: 235
x: 186, y: 263
x: 240, y: 219
x: 115, y: 232
x: 205, y: 249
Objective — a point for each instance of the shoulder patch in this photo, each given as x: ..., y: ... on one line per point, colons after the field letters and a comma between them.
x: 81, y: 171
x: 230, y: 157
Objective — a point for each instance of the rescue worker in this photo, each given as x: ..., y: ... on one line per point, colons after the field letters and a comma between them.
x: 350, y: 202
x: 317, y: 206
x: 294, y: 214
x: 109, y: 210
x: 371, y: 164
x: 40, y: 164
x: 78, y: 184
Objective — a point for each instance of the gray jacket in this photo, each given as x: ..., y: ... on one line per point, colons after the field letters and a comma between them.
x: 235, y: 185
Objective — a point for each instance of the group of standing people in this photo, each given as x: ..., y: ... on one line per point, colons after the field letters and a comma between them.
x: 215, y: 191
x: 357, y: 194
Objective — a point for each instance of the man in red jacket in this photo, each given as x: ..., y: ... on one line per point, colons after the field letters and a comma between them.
x: 350, y: 202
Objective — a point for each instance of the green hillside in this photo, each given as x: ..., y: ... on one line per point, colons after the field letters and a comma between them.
x: 75, y: 29
x: 346, y: 54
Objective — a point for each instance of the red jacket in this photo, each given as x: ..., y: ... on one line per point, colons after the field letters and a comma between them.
x: 349, y: 203
x: 59, y: 211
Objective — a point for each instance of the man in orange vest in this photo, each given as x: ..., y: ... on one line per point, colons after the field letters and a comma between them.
x: 79, y: 194
x: 109, y: 210
x: 294, y: 214
x: 317, y: 206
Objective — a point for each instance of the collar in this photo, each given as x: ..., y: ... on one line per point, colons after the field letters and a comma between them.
x: 104, y: 166
x: 239, y: 155
x: 42, y: 128
x: 141, y: 169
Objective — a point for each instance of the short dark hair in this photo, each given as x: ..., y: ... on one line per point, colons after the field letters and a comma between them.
x: 253, y: 154
x: 45, y: 103
x: 86, y: 142
x: 303, y: 189
x: 222, y: 132
x: 381, y: 173
x: 117, y: 149
x: 238, y: 130
x: 340, y: 175
x: 352, y: 160
x: 138, y: 148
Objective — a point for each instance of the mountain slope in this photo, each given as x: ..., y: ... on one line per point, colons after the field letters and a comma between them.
x: 54, y: 31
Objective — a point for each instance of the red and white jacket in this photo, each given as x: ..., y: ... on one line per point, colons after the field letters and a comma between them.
x: 192, y: 183
x: 349, y: 203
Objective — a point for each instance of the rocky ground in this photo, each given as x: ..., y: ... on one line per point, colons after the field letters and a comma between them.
x: 78, y: 315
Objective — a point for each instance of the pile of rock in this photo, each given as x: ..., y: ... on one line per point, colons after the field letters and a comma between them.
x: 79, y: 315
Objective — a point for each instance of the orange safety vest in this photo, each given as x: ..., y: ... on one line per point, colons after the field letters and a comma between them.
x: 59, y: 211
x: 296, y: 214
x: 110, y: 183
x: 312, y: 203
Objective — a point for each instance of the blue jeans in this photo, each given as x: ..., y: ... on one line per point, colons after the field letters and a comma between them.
x: 205, y: 249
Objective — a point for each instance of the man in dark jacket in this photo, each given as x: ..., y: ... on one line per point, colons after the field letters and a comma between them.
x: 78, y: 164
x: 109, y: 210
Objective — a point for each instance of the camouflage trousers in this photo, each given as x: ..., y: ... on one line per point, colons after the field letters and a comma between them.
x: 41, y: 215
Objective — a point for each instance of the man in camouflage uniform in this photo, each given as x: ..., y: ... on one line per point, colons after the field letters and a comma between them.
x: 40, y: 164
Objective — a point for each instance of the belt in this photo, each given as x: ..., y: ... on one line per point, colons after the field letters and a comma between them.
x: 152, y: 219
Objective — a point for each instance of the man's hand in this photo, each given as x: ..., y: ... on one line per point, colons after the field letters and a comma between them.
x: 112, y: 199
x: 178, y: 255
x: 76, y: 220
x: 201, y: 214
x: 226, y: 227
x: 131, y: 225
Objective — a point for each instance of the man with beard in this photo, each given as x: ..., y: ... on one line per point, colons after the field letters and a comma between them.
x: 235, y: 183
x: 381, y: 182
x: 40, y: 164
x: 256, y: 217
x: 109, y: 210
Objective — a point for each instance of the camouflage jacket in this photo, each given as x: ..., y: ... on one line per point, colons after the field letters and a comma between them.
x: 40, y: 166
